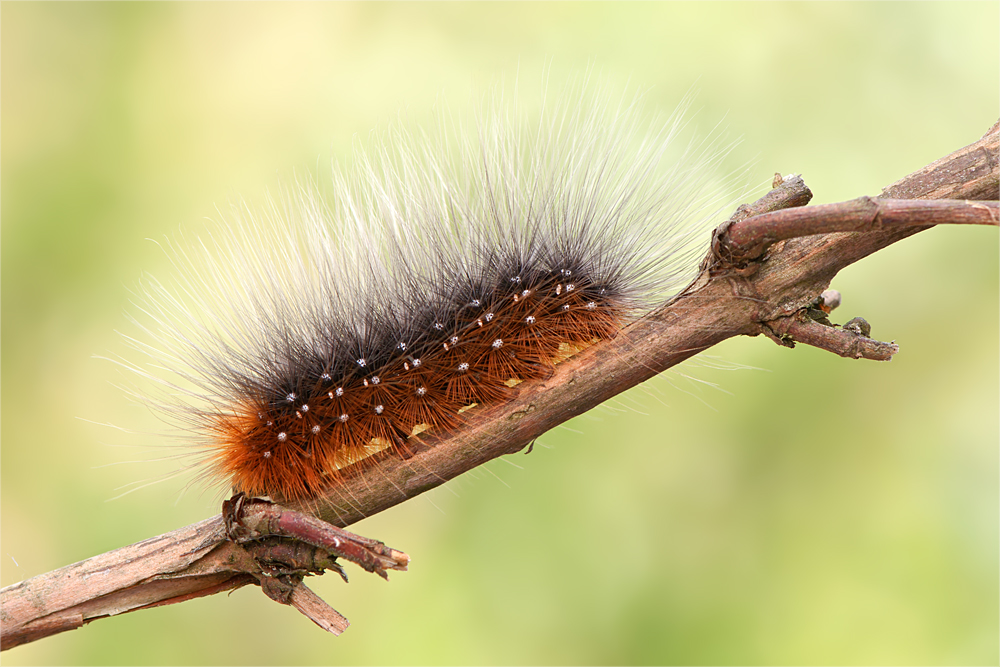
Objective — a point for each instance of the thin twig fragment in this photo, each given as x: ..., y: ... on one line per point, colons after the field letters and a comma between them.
x: 316, y: 610
x: 844, y: 342
x: 749, y: 239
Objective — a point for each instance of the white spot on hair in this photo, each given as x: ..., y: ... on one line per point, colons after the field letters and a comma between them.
x: 267, y: 455
x: 379, y: 409
x: 565, y: 306
x: 325, y: 377
x: 462, y: 367
x: 488, y: 317
x: 282, y: 436
x: 591, y: 305
x: 438, y: 326
x: 558, y: 289
x: 416, y: 363
x: 290, y: 397
x: 305, y: 407
x: 516, y: 280
x: 421, y: 391
x: 453, y: 340
x: 340, y: 391
x: 343, y: 417
x: 362, y: 362
x: 401, y: 345
x: 497, y: 344
x: 475, y: 303
x: 526, y: 293
x: 530, y: 319
x: 315, y: 429
x: 570, y: 287
x: 376, y: 379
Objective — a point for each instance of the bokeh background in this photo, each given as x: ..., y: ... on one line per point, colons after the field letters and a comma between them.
x: 768, y: 505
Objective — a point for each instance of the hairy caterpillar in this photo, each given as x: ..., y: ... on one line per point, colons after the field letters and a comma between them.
x: 439, y: 273
x: 767, y: 538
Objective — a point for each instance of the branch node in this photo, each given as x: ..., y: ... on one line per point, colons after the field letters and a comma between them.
x: 859, y: 326
x: 786, y: 192
x: 286, y: 546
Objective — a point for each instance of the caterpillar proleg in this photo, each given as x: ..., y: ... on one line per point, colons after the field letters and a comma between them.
x: 438, y: 272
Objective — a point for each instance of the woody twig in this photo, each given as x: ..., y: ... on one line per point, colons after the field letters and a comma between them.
x: 768, y: 283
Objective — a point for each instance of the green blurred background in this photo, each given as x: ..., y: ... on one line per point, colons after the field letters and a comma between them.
x: 772, y: 505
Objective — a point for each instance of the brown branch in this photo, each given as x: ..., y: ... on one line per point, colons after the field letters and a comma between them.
x: 750, y: 239
x: 846, y: 342
x: 968, y: 173
x: 186, y: 563
x: 724, y: 301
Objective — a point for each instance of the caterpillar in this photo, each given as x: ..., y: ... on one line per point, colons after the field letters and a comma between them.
x: 445, y: 267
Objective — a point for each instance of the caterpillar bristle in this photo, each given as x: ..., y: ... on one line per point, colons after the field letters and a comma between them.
x: 324, y: 332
